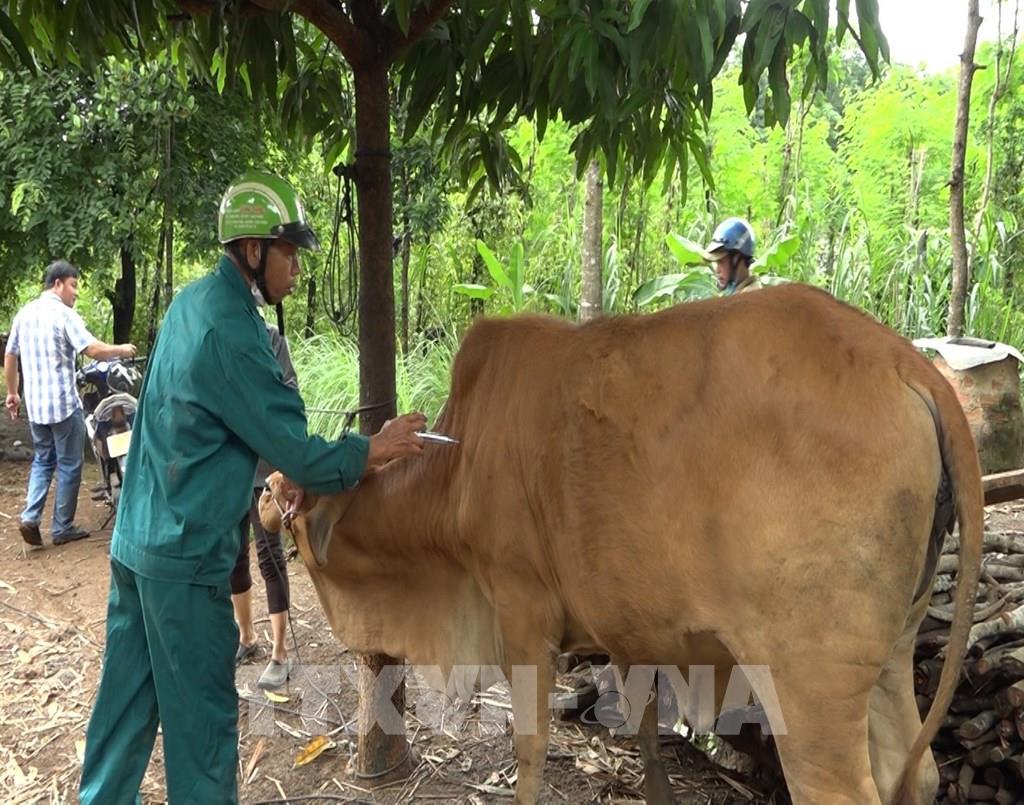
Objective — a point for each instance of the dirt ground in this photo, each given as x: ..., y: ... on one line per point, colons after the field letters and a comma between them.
x: 53, y: 603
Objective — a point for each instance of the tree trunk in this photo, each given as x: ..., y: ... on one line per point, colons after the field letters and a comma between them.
x: 476, y: 306
x: 382, y: 757
x: 636, y: 252
x: 169, y: 217
x: 157, y: 289
x: 1002, y: 81
x: 419, y: 290
x: 406, y: 247
x: 591, y: 286
x: 406, y: 257
x: 169, y: 264
x: 958, y: 237
x: 123, y: 298
x: 782, y: 199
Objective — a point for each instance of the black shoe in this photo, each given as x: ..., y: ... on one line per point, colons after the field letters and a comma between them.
x: 73, y: 534
x: 30, y: 533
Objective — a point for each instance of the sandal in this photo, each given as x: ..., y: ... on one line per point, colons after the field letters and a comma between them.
x: 275, y: 675
x: 245, y: 652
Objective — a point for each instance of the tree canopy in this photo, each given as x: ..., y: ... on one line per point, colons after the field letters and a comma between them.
x: 634, y: 75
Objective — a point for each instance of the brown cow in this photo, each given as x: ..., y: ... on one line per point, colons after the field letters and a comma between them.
x: 751, y: 480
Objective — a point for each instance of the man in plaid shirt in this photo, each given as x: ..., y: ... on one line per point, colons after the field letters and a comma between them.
x: 47, y: 335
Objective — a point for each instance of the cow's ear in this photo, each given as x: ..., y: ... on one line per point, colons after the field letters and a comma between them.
x: 270, y: 512
x: 312, y: 534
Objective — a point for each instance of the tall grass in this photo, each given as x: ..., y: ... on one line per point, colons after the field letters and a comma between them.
x: 328, y: 370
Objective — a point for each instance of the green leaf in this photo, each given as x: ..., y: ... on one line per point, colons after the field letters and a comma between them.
x: 636, y: 14
x: 685, y: 250
x: 842, y: 19
x: 798, y: 29
x: 17, y: 195
x: 697, y: 283
x: 243, y: 71
x: 517, y: 275
x: 767, y: 37
x: 779, y: 83
x: 756, y: 9
x: 402, y: 11
x: 657, y: 288
x: 484, y: 37
x: 473, y: 291
x: 591, y: 67
x: 12, y: 35
x: 779, y: 254
x: 707, y: 48
x: 494, y: 267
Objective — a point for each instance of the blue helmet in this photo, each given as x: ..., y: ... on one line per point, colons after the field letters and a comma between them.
x: 733, y: 235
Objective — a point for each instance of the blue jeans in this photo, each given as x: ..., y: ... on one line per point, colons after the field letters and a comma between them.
x: 57, y: 447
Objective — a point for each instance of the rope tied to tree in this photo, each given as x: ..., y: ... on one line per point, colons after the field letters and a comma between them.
x: 341, y: 283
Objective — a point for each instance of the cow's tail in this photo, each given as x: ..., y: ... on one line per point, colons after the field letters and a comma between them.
x: 961, y: 461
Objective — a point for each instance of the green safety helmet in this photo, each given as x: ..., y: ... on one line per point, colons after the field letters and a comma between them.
x: 261, y: 205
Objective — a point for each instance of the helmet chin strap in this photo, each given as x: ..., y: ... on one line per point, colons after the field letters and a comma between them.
x: 259, y: 274
x: 734, y: 265
x: 259, y: 277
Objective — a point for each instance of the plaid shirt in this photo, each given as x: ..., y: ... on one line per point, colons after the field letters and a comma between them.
x: 48, y: 334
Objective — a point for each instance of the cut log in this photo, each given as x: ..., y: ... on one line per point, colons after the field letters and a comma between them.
x: 1001, y: 487
x: 931, y: 642
x: 999, y: 754
x: 970, y: 706
x: 978, y: 757
x: 926, y: 676
x: 1010, y: 699
x: 981, y: 793
x: 1011, y: 663
x: 976, y: 727
x: 944, y: 582
x: 1003, y: 572
x: 994, y: 542
x: 992, y: 659
x: 989, y: 737
x: 1006, y: 796
x: 981, y: 613
x: 948, y: 772
x: 1011, y: 622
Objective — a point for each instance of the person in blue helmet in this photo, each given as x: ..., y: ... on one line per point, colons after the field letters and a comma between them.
x: 731, y: 250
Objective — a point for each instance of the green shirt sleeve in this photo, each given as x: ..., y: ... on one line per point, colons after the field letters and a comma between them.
x: 267, y: 415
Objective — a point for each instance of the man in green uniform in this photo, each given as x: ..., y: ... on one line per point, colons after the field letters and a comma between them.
x: 213, y: 400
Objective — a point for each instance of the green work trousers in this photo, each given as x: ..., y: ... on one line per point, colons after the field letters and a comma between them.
x: 169, y: 660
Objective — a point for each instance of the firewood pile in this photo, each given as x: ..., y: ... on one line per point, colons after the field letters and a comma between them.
x: 980, y: 747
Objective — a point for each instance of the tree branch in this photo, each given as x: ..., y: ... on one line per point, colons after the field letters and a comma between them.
x: 326, y: 15
x: 422, y: 20
x: 203, y: 8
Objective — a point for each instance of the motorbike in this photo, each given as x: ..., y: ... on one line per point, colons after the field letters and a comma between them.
x: 109, y: 394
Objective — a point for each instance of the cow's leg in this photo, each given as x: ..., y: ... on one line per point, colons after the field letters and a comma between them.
x: 824, y: 748
x: 657, y: 789
x: 531, y: 671
x: 894, y: 724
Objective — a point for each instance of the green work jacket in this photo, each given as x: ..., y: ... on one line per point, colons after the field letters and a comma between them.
x: 212, y: 401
